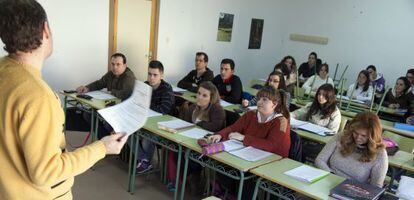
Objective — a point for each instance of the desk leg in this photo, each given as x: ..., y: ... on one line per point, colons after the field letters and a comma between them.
x: 239, y: 195
x: 164, y: 166
x: 131, y: 157
x: 187, y: 154
x: 96, y: 125
x: 134, y: 164
x: 177, y: 178
x: 256, y: 188
x: 92, y: 125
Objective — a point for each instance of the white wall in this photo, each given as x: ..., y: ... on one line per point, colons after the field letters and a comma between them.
x: 360, y: 33
x: 80, y: 33
x: 191, y: 25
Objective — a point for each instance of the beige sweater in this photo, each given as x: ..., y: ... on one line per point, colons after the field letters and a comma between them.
x: 333, y: 122
x: 331, y: 159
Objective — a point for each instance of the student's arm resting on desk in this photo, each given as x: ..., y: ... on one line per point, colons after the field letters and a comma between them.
x: 307, y: 86
x: 217, y: 119
x: 335, y: 121
x: 238, y: 126
x: 300, y: 113
x: 323, y: 157
x: 42, y: 140
x: 187, y: 83
x: 99, y: 84
x: 128, y: 84
x: 368, y: 97
x: 379, y: 170
x: 277, y: 140
x: 166, y: 103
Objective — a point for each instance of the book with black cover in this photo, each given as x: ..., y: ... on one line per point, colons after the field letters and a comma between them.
x: 351, y: 189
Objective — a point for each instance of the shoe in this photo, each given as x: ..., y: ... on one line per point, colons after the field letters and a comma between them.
x: 144, y: 166
x: 170, y: 187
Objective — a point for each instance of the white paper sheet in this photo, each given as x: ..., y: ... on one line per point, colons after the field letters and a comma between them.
x: 252, y: 108
x: 152, y: 113
x: 320, y: 130
x: 175, y: 124
x: 101, y: 95
x: 295, y: 123
x: 225, y: 103
x: 195, y: 133
x: 131, y: 114
x: 251, y: 154
x: 306, y: 173
x: 231, y: 145
x: 177, y: 89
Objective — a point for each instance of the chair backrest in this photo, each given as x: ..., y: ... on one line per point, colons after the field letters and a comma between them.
x: 299, y: 92
x: 344, y: 121
x: 404, y: 143
x: 295, y: 151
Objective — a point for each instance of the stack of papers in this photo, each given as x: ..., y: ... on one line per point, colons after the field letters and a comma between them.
x: 320, y: 130
x: 177, y: 89
x: 174, y: 126
x: 195, y: 133
x: 251, y: 154
x: 225, y: 103
x: 231, y: 145
x: 307, y: 174
x: 100, y: 95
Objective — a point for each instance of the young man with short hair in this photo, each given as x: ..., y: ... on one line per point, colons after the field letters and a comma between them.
x: 119, y: 81
x: 200, y: 74
x: 228, y: 84
x: 410, y: 77
x: 162, y: 101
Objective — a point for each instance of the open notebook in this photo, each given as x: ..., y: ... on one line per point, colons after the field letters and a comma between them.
x: 249, y: 153
x: 174, y: 126
x: 307, y: 173
x: 320, y: 130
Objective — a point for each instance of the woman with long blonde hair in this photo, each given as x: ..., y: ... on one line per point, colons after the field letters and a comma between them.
x: 358, y: 152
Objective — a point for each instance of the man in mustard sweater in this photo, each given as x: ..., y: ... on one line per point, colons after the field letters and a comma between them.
x: 34, y: 163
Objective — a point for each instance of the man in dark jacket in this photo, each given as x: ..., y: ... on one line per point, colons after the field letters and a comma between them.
x: 119, y: 81
x: 228, y: 84
x: 200, y: 74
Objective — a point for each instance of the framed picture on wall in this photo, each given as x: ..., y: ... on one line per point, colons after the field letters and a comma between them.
x: 256, y: 32
x: 225, y: 27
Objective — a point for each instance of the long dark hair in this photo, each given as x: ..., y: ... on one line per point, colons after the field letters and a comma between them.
x: 367, y: 82
x: 407, y: 83
x: 293, y: 68
x: 328, y: 91
x: 282, y: 83
x: 283, y: 68
x: 278, y: 96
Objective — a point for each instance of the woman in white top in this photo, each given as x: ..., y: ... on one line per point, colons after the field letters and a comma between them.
x: 362, y: 89
x: 322, y: 111
x: 315, y: 81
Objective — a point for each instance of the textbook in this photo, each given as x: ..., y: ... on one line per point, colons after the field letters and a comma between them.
x: 174, y: 126
x: 351, y: 189
x: 307, y: 173
x: 307, y: 126
x: 250, y: 154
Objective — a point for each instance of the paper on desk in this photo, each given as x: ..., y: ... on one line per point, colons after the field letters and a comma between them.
x: 347, y: 99
x: 195, y: 133
x: 320, y: 130
x: 225, y: 103
x: 177, y: 89
x: 231, y: 145
x: 251, y: 154
x: 152, y: 113
x: 252, y: 108
x: 101, y: 95
x: 306, y: 173
x: 295, y: 123
x: 131, y: 114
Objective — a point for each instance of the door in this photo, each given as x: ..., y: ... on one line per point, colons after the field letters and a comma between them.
x: 134, y: 35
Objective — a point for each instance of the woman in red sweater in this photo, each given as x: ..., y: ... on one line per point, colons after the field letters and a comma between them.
x: 266, y: 128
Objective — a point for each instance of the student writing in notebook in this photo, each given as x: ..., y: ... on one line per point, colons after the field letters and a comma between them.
x: 358, y: 152
x: 315, y: 81
x: 275, y: 80
x: 267, y: 129
x: 206, y: 113
x: 362, y: 89
x: 162, y: 101
x: 322, y: 111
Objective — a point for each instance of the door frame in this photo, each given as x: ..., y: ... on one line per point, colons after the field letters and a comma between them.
x: 113, y: 29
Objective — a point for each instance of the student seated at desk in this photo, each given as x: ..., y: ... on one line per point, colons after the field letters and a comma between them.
x: 307, y: 69
x: 275, y: 80
x: 200, y: 74
x: 315, y: 81
x: 162, y: 101
x: 362, y: 89
x: 377, y: 79
x: 119, y: 81
x: 267, y: 128
x: 358, y: 152
x: 290, y: 62
x: 400, y: 97
x: 410, y: 77
x: 323, y: 110
x: 228, y: 84
x: 206, y: 113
